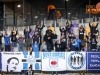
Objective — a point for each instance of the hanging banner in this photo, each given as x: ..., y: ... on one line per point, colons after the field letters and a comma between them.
x: 34, y: 59
x: 31, y: 33
x: 12, y: 61
x: 93, y: 61
x: 18, y: 61
x: 54, y: 61
x: 76, y: 61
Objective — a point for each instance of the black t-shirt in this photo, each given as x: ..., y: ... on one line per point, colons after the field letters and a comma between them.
x: 81, y: 35
x: 93, y: 44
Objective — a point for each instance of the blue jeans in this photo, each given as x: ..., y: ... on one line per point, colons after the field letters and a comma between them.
x: 14, y: 44
x: 21, y: 48
x: 49, y: 47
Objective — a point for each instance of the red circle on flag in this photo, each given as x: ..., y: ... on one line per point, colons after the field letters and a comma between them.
x: 53, y: 62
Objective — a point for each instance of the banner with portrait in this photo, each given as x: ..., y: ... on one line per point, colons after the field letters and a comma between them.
x: 54, y: 61
x: 18, y: 61
x: 76, y: 61
x: 12, y: 61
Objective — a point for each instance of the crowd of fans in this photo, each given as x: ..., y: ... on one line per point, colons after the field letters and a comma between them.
x: 67, y: 42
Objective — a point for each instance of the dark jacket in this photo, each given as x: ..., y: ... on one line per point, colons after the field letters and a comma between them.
x: 35, y: 38
x: 1, y: 38
x: 49, y: 32
x: 13, y: 37
x: 40, y: 29
x: 68, y: 29
x: 57, y: 47
x: 63, y: 45
x: 62, y: 32
x: 72, y: 47
x: 26, y: 33
x: 46, y: 38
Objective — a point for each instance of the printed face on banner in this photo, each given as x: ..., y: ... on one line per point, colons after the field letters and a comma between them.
x: 12, y: 62
x: 76, y: 61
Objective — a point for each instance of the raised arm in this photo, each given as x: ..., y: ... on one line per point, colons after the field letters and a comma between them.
x: 96, y: 25
x: 39, y: 41
x: 89, y: 25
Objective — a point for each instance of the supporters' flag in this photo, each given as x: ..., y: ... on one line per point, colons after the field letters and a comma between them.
x: 12, y: 61
x: 33, y: 59
x: 31, y: 33
x: 54, y: 61
x: 76, y: 61
x: 93, y: 61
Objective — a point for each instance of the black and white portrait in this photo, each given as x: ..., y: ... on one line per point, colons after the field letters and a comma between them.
x: 12, y: 64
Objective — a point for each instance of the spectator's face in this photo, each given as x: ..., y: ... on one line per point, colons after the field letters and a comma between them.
x: 44, y: 42
x: 77, y: 37
x: 20, y: 35
x: 67, y: 24
x: 93, y: 25
x: 72, y: 41
x: 62, y: 29
x: 35, y: 33
x: 39, y: 26
x: 48, y: 28
x: 36, y: 29
x: 93, y: 39
x: 6, y: 34
x: 12, y: 66
x: 29, y: 69
x: 35, y: 42
x: 72, y: 34
x: 81, y: 26
x: 26, y: 29
x: 81, y: 29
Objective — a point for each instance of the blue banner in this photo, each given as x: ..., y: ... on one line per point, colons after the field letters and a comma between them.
x: 93, y: 61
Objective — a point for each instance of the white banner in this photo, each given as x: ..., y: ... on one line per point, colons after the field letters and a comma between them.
x: 54, y: 61
x: 17, y: 61
x: 35, y: 60
x: 12, y: 61
x: 76, y: 61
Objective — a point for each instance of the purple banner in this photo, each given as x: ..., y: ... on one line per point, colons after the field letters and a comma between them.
x: 31, y: 33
